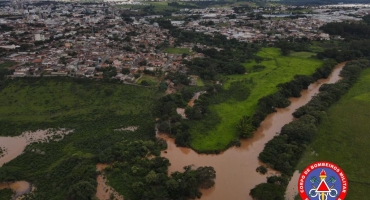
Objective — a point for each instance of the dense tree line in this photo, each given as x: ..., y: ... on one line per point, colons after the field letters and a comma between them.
x: 210, y: 68
x: 330, y: 93
x: 357, y: 42
x: 144, y: 178
x: 173, y: 124
x: 169, y: 121
x: 178, y: 78
x: 348, y: 30
x: 283, y: 152
x: 353, y: 49
x: 293, y: 44
x: 266, y: 105
x: 181, y: 5
x: 166, y: 105
x: 340, y: 55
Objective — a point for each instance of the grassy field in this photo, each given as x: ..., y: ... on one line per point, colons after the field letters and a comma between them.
x: 51, y: 100
x: 200, y: 82
x: 151, y: 80
x: 7, y: 64
x: 176, y: 50
x: 343, y: 138
x: 302, y: 54
x: 279, y: 69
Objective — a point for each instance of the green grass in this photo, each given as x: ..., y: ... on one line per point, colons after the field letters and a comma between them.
x: 7, y: 64
x: 200, y: 82
x: 50, y: 100
x: 177, y: 50
x: 151, y: 80
x: 343, y: 138
x: 279, y: 69
x: 302, y: 54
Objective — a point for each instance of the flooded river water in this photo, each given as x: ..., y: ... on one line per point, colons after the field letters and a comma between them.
x: 104, y: 191
x: 14, y: 146
x: 236, y: 167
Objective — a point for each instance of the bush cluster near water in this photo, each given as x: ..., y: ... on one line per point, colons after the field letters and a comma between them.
x: 137, y: 176
x: 67, y: 168
x: 283, y: 152
x: 266, y: 105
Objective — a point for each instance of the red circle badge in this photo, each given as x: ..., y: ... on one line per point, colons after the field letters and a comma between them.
x: 322, y: 181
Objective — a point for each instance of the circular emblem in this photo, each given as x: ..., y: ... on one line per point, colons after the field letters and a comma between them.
x: 322, y: 181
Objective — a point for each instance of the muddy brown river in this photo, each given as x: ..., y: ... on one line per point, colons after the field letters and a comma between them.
x: 236, y: 167
x: 104, y: 191
x: 14, y: 146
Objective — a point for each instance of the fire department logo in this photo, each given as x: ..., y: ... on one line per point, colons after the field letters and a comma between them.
x: 322, y: 181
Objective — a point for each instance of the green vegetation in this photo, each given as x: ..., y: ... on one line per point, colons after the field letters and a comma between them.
x: 148, y: 80
x: 356, y: 45
x: 314, y: 47
x: 284, y: 151
x: 302, y: 54
x: 343, y: 137
x: 92, y: 108
x: 177, y: 50
x: 66, y: 169
x: 146, y: 178
x: 276, y: 192
x: 7, y: 64
x: 161, y: 6
x: 200, y: 82
x: 261, y: 169
x: 279, y: 69
x: 28, y: 103
x: 6, y: 194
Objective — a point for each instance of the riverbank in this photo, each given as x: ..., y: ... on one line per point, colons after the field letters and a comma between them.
x: 284, y: 151
x: 94, y: 110
x: 14, y: 146
x: 19, y: 188
x: 343, y: 138
x: 236, y: 167
x: 277, y: 69
x: 104, y: 191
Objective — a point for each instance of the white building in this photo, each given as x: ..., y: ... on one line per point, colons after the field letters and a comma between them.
x: 39, y: 37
